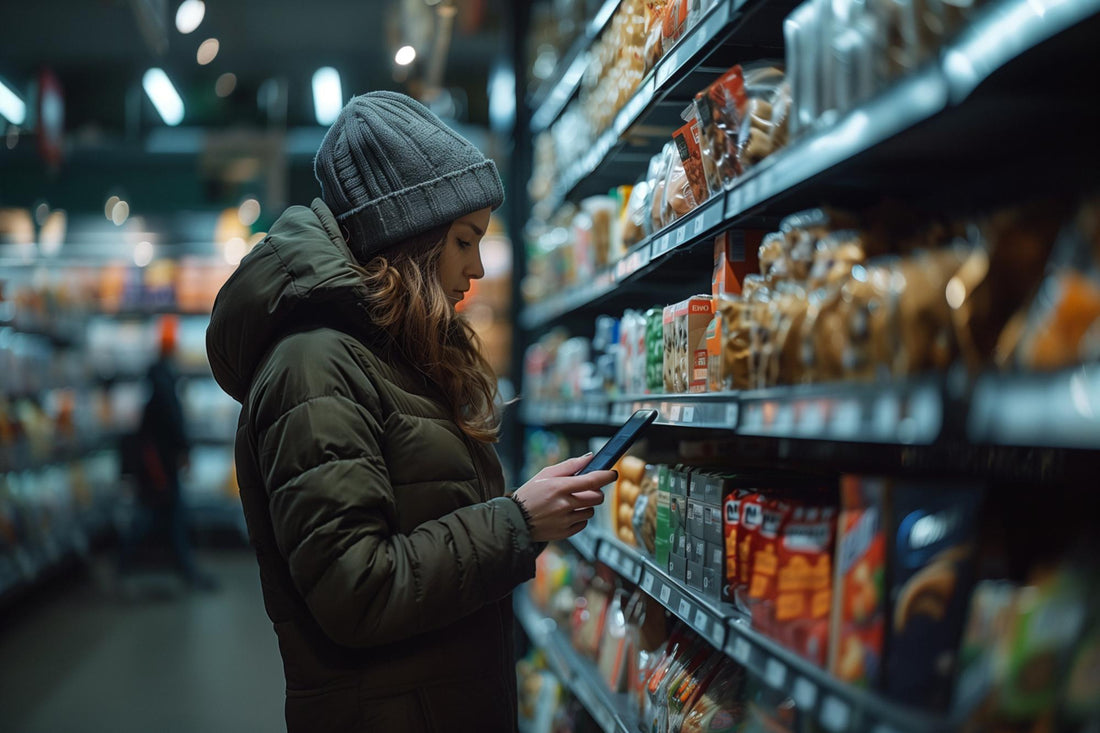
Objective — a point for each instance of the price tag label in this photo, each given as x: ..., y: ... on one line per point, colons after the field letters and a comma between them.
x: 701, y: 620
x: 741, y: 650
x: 804, y: 693
x: 698, y: 226
x: 775, y: 674
x: 689, y: 413
x: 684, y: 609
x: 784, y: 418
x: 835, y: 714
x: 670, y: 64
x: 731, y: 414
x: 681, y: 235
x: 674, y: 413
x: 886, y: 413
x: 718, y: 633
x: 666, y: 591
x: 846, y: 418
x: 812, y: 418
x: 647, y: 584
x: 613, y: 556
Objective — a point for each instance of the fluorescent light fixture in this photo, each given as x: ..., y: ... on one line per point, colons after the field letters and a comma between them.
x: 328, y: 100
x: 189, y: 14
x: 143, y: 253
x: 12, y: 107
x: 405, y: 56
x: 164, y: 96
x: 208, y: 51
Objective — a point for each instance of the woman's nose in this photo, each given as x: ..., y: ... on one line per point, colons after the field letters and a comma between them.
x: 475, y: 269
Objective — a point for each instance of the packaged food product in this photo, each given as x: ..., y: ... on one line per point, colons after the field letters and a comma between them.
x: 763, y: 584
x: 684, y: 692
x: 804, y: 581
x: 999, y: 275
x: 589, y: 616
x: 663, y: 540
x: 927, y: 338
x: 657, y: 176
x: 731, y: 521
x: 768, y: 710
x: 1066, y: 309
x: 736, y: 255
x: 728, y: 345
x: 654, y: 43
x: 931, y: 566
x: 691, y: 319
x: 671, y: 341
x: 756, y: 138
x: 674, y: 22
x: 603, y: 212
x: 866, y: 311
x: 632, y: 338
x: 679, y: 199
x: 835, y: 254
x: 633, y: 221
x: 752, y: 516
x: 681, y: 656
x: 787, y: 314
x: 616, y: 646
x: 719, y: 709
x: 802, y: 44
x: 719, y: 109
x: 858, y: 632
x: 654, y: 350
x: 686, y: 139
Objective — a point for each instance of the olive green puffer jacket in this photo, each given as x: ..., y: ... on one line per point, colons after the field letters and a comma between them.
x: 387, y: 551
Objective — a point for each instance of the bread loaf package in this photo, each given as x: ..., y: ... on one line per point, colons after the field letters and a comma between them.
x: 757, y: 138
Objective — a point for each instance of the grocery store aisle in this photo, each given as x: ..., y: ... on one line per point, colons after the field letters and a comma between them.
x: 90, y: 658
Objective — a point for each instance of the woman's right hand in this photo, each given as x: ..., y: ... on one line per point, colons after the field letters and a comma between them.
x: 560, y: 504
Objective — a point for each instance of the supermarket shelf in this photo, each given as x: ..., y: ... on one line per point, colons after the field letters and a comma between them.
x: 585, y: 543
x: 933, y: 111
x: 565, y: 86
x: 1051, y: 410
x: 612, y: 712
x: 18, y: 457
x: 906, y: 412
x: 839, y: 707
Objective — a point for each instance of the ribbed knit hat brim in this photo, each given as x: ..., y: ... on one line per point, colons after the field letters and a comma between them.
x: 390, y: 169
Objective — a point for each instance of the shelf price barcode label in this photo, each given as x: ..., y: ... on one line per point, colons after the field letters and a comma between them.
x: 741, y: 650
x: 804, y: 693
x: 681, y: 235
x: 674, y: 413
x: 701, y: 621
x: 684, y: 610
x: 698, y: 227
x: 718, y: 633
x: 835, y: 714
x: 775, y: 674
x: 647, y: 584
x: 731, y: 414
x: 666, y: 592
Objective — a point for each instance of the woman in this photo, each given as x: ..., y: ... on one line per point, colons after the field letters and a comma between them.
x: 387, y: 547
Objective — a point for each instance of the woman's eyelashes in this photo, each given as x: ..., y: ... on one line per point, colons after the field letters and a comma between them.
x: 464, y: 244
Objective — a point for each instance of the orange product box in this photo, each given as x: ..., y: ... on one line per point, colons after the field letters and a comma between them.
x: 804, y: 581
x: 693, y: 316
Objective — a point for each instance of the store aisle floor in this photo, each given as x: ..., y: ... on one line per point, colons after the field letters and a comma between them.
x: 91, y: 658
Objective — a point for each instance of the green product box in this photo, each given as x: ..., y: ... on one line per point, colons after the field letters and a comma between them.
x: 664, y: 521
x: 655, y: 350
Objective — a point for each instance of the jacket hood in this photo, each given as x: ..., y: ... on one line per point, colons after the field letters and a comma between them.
x: 301, y: 273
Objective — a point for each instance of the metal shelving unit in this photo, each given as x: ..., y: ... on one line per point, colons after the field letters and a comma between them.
x: 938, y: 115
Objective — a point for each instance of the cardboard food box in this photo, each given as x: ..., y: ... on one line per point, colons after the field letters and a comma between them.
x: 693, y: 316
x: 655, y: 350
x: 903, y: 579
x: 663, y: 539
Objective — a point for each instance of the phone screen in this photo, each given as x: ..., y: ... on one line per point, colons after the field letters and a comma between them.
x: 614, y: 449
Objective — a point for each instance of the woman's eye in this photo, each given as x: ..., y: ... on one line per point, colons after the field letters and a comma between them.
x: 463, y: 245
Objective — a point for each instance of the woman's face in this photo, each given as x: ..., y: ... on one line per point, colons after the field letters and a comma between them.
x: 461, y: 259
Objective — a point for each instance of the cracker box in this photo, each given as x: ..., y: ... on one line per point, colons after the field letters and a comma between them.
x: 735, y: 256
x: 693, y: 316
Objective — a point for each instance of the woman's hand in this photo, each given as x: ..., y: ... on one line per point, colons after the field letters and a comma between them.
x: 560, y: 504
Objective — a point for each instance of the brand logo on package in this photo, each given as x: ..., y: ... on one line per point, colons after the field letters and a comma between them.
x: 700, y: 307
x: 923, y: 533
x: 753, y: 515
x: 733, y: 511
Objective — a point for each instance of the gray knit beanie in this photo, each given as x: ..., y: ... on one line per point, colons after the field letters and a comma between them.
x: 389, y: 169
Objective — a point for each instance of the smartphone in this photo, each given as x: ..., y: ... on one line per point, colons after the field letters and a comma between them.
x: 614, y: 449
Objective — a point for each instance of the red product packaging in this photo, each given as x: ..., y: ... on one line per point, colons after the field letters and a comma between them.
x: 752, y: 516
x: 859, y: 598
x: 720, y: 109
x: 804, y: 582
x: 765, y: 563
x: 731, y: 522
x: 687, y: 145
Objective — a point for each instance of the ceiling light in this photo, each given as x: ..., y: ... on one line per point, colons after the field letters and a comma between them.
x: 225, y: 85
x: 328, y: 99
x: 208, y: 50
x: 41, y: 212
x: 189, y: 14
x: 11, y: 106
x: 143, y: 253
x: 110, y: 206
x: 164, y: 96
x: 235, y: 250
x: 248, y: 212
x: 120, y: 213
x: 405, y: 55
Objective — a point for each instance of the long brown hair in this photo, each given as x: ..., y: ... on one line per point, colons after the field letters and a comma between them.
x: 406, y: 300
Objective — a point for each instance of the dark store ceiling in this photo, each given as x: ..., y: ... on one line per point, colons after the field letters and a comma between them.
x: 99, y: 50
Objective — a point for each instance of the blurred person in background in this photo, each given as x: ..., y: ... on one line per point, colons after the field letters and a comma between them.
x: 387, y: 545
x: 154, y: 456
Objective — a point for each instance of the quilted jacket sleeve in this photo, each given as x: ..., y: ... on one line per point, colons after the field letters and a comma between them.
x: 317, y: 425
